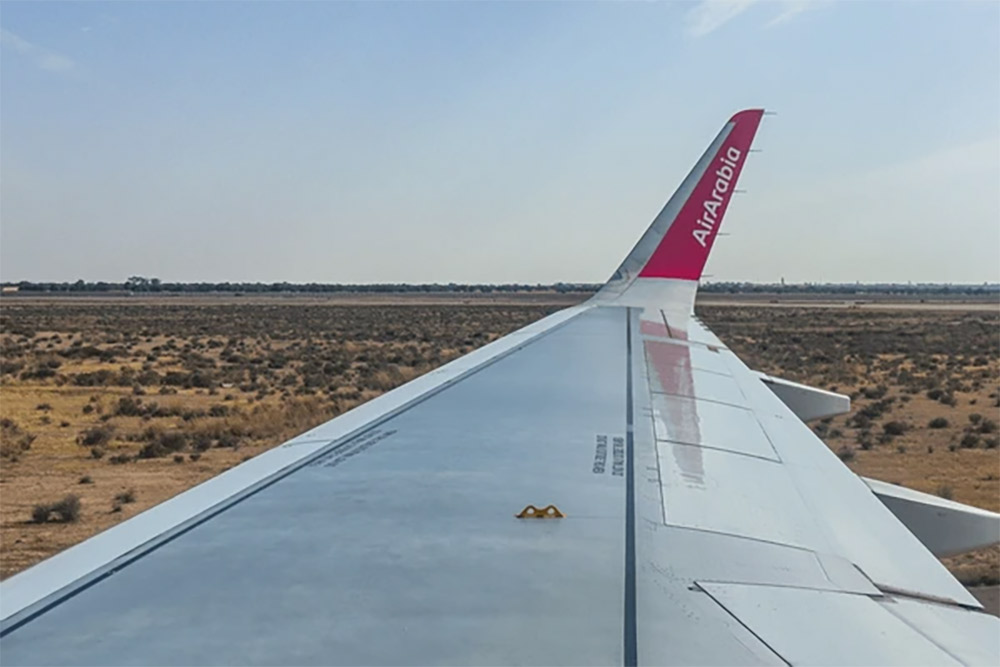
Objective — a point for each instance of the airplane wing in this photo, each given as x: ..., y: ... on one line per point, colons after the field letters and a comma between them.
x: 609, y: 485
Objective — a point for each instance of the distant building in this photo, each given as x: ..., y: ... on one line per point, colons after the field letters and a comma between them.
x: 9, y: 289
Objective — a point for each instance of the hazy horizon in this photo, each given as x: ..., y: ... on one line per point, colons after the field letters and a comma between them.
x: 704, y: 284
x: 492, y: 142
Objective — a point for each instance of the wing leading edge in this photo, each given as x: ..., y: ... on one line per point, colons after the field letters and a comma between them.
x: 705, y: 524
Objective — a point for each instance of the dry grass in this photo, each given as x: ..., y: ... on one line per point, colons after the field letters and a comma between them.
x: 112, y: 399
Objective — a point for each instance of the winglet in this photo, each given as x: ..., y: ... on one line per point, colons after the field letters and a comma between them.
x: 677, y: 244
x: 684, y: 249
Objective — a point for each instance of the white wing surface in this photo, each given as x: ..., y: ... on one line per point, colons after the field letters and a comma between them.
x: 702, y: 521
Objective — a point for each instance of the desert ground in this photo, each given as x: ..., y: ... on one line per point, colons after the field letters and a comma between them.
x: 109, y: 405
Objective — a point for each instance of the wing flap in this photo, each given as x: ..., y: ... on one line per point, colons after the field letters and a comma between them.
x: 971, y: 637
x: 812, y: 627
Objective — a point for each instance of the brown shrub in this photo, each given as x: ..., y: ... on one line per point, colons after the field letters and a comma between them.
x: 66, y: 510
x: 96, y: 435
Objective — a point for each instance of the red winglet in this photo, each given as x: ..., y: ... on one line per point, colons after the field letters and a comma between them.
x: 684, y: 249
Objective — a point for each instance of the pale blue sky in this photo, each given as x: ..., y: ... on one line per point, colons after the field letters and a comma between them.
x: 492, y: 142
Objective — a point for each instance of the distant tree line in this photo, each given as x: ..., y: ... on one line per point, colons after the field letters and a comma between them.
x: 982, y: 289
x: 140, y: 284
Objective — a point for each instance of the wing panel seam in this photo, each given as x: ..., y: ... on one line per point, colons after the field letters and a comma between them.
x: 716, y: 448
x: 744, y: 625
x: 630, y: 631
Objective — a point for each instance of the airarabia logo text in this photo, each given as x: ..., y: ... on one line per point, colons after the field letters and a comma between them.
x: 710, y: 214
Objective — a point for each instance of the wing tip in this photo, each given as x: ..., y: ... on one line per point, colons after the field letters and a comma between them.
x: 746, y: 113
